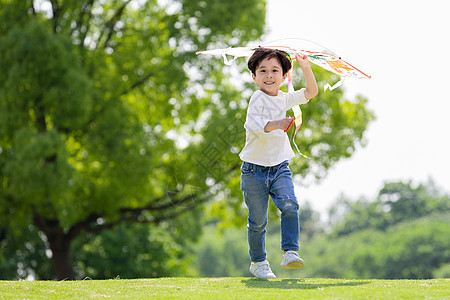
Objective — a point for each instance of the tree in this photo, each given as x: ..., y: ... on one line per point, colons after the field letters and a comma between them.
x: 125, y: 251
x: 407, y: 201
x: 136, y: 251
x: 310, y: 224
x: 396, y: 202
x: 413, y: 249
x: 402, y: 233
x: 107, y: 116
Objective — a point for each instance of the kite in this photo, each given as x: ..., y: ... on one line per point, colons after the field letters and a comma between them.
x: 316, y: 54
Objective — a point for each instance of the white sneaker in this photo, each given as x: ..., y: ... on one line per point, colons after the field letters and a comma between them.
x: 262, y: 270
x: 291, y: 260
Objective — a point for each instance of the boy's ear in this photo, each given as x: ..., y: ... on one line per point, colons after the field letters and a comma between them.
x: 253, y: 77
x: 284, y: 76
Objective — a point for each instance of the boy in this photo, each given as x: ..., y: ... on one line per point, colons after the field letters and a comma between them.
x: 265, y: 156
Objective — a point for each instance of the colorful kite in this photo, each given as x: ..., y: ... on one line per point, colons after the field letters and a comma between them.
x: 316, y: 54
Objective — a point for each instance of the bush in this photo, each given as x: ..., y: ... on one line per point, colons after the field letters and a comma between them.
x: 409, y: 250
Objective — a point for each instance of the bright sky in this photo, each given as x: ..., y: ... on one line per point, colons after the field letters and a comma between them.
x: 404, y: 46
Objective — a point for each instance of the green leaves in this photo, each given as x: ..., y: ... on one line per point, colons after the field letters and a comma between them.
x: 38, y: 169
x: 232, y: 25
x: 396, y: 202
x: 42, y: 82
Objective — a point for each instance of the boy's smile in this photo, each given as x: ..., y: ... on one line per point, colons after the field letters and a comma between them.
x: 269, y: 76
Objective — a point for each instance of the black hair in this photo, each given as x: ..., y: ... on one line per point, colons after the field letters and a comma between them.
x: 262, y: 53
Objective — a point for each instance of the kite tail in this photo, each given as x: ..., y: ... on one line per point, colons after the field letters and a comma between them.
x: 297, y: 113
x: 225, y: 58
x: 290, y: 85
x: 296, y: 147
x: 336, y: 85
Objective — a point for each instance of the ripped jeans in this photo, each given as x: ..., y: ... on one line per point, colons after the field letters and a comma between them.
x: 257, y: 183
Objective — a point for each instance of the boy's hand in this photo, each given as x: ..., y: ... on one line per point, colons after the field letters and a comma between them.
x: 310, y: 81
x: 282, y: 124
x: 302, y: 60
x: 285, y: 123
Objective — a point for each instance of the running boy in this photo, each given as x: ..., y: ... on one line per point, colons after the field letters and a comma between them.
x: 265, y: 168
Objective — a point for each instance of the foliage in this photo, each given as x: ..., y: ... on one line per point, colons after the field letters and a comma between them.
x: 411, y: 250
x: 23, y: 254
x: 442, y: 272
x: 125, y: 251
x: 135, y: 250
x: 401, y: 234
x: 310, y: 223
x: 396, y: 202
x: 229, y: 288
x: 222, y: 253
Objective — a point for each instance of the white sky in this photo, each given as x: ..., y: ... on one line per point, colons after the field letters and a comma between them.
x: 405, y: 47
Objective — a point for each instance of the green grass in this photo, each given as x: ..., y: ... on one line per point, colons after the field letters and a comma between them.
x: 228, y: 288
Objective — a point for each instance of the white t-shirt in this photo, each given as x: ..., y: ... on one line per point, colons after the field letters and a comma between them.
x: 268, y: 148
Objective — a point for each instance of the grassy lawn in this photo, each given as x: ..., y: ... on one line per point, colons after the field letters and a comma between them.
x: 228, y: 288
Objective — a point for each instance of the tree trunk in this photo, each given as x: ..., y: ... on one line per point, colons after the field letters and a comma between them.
x: 59, y: 244
x: 62, y: 261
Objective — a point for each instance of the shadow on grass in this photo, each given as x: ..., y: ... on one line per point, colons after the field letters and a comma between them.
x: 300, y: 284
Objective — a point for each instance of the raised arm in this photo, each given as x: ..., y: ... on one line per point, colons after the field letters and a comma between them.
x: 310, y: 81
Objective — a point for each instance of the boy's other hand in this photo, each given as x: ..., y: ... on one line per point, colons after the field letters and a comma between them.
x: 282, y: 124
x: 285, y: 123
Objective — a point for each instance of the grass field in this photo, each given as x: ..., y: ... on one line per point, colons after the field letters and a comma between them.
x: 228, y: 288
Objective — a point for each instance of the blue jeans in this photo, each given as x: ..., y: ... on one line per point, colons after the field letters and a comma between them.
x: 257, y: 183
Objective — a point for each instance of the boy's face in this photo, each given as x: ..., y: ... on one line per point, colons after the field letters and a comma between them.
x: 269, y: 76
